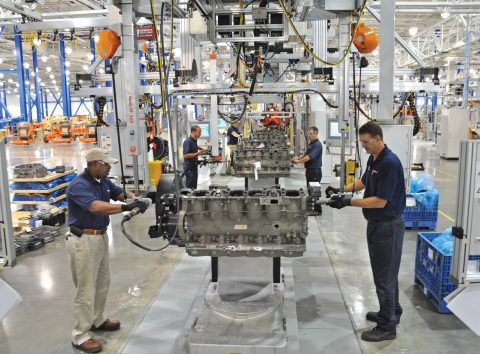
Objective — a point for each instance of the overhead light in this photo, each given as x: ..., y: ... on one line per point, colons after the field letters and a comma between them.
x: 1, y: 60
x: 67, y: 64
x: 9, y: 92
x: 48, y: 69
x: 52, y: 76
x: 27, y: 82
x: 54, y: 82
x: 68, y: 50
x: 101, y: 71
x: 80, y: 81
x: 14, y: 52
x: 33, y: 73
x: 15, y: 90
x: 1, y: 75
x: 96, y: 38
x: 26, y: 65
x: 85, y: 67
x: 10, y: 80
x: 413, y: 31
x: 17, y: 84
x: 375, y: 53
x: 67, y: 72
x: 44, y: 58
x: 90, y: 56
x: 42, y: 84
x: 39, y: 79
x: 445, y: 14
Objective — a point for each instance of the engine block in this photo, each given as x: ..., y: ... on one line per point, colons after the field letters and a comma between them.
x: 255, y: 223
x: 275, y: 162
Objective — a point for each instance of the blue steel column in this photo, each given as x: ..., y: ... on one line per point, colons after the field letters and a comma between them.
x: 38, y: 94
x: 92, y: 50
x: 2, y: 94
x: 20, y: 73
x: 46, y: 105
x: 67, y: 109
x: 29, y: 99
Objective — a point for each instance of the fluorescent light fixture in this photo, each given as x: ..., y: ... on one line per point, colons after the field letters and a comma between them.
x: 85, y: 67
x: 67, y: 64
x: 54, y: 82
x: 15, y: 90
x: 1, y: 60
x: 375, y: 52
x: 413, y: 31
x: 90, y: 56
x: 10, y: 80
x: 33, y: 73
x: 101, y: 71
x: 17, y: 84
x: 67, y: 72
x: 9, y: 92
x: 14, y: 52
x: 26, y: 65
x: 445, y: 15
x: 27, y: 82
x: 52, y: 76
x: 68, y: 50
x: 48, y: 69
x: 42, y: 84
x: 44, y: 58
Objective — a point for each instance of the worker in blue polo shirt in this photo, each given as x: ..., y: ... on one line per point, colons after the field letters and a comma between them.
x: 313, y: 162
x: 382, y: 205
x: 233, y: 133
x: 190, y: 157
x: 88, y: 197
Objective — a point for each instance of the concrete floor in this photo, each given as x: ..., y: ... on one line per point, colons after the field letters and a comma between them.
x: 42, y: 322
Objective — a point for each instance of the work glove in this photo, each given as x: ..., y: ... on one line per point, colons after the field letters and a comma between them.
x: 339, y: 202
x: 136, y: 204
x: 331, y: 191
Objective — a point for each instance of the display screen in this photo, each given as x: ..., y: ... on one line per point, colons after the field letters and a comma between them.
x: 333, y: 131
x: 222, y: 124
x: 205, y: 130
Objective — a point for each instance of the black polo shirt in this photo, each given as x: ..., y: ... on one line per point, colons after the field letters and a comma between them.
x: 232, y: 140
x: 314, y: 151
x: 190, y: 146
x: 383, y: 178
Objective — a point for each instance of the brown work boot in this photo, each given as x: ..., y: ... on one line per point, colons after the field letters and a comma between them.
x: 90, y: 346
x: 108, y: 325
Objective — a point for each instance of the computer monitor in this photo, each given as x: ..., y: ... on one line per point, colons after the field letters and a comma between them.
x: 333, y: 129
x: 222, y: 124
x: 205, y: 130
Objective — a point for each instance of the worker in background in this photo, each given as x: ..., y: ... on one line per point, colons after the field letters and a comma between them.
x: 190, y: 157
x: 88, y: 197
x: 233, y: 133
x: 313, y: 163
x: 382, y: 205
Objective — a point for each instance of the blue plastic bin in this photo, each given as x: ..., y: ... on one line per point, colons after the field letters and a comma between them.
x: 419, y: 216
x: 432, y: 270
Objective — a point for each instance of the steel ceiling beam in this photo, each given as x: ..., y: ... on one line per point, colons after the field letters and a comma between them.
x: 433, y: 5
x: 61, y: 24
x: 12, y: 6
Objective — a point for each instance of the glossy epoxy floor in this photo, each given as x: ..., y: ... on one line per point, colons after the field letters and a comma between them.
x: 42, y: 322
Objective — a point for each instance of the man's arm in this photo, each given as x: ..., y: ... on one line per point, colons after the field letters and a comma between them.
x: 130, y: 195
x: 194, y: 154
x: 358, y: 186
x: 103, y: 208
x: 371, y: 202
x: 303, y: 158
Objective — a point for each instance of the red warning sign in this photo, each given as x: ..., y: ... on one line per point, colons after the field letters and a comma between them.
x: 146, y: 32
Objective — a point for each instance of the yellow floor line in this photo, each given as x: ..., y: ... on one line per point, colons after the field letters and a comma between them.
x: 441, y: 171
x: 448, y: 217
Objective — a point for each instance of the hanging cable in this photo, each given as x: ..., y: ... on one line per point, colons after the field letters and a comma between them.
x: 159, y: 58
x: 308, y: 49
x: 233, y: 119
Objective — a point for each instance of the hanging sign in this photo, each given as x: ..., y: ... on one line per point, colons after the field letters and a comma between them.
x: 146, y: 32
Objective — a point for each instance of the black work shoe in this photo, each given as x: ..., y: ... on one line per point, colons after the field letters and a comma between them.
x: 377, y: 335
x: 373, y: 316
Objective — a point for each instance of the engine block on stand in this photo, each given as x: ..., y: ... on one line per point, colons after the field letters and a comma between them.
x: 255, y: 223
x: 275, y: 162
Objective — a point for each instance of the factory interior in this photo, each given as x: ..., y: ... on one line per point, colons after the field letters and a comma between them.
x: 236, y: 129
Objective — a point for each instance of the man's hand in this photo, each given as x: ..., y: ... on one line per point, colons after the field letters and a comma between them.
x: 331, y: 191
x: 295, y: 159
x: 136, y: 204
x: 340, y: 202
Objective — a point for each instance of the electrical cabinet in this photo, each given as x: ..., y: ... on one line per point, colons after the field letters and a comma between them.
x: 453, y: 128
x: 7, y: 247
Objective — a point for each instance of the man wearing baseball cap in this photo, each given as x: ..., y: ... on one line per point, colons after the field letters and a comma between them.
x: 89, y: 207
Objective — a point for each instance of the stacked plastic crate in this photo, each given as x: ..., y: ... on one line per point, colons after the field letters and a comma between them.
x: 432, y: 270
x: 417, y: 215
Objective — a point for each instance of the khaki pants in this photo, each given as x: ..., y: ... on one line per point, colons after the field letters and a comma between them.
x: 89, y: 264
x: 230, y: 149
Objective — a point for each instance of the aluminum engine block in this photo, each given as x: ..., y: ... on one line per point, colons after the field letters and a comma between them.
x: 255, y: 223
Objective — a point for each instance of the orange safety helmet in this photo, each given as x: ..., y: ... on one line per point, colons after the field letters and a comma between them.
x: 108, y: 43
x: 366, y: 39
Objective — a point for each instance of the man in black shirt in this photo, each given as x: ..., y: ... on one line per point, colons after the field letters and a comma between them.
x: 190, y: 157
x: 233, y: 133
